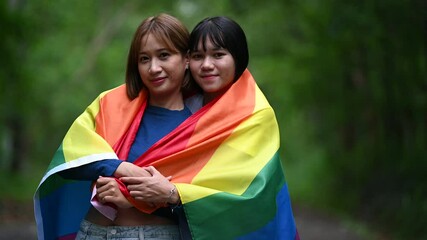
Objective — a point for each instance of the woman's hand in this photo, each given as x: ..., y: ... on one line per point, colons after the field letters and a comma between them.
x: 156, y: 188
x: 108, y: 191
x: 127, y: 169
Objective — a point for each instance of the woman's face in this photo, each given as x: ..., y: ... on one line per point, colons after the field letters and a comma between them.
x: 161, y: 69
x: 212, y: 69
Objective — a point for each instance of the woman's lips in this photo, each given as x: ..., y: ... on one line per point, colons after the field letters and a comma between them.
x: 209, y: 77
x: 158, y: 80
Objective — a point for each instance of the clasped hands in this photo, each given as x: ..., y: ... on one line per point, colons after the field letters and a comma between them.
x: 144, y: 184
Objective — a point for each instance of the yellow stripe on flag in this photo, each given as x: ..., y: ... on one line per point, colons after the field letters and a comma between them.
x: 239, y: 152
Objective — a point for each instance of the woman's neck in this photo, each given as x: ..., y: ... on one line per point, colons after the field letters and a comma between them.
x: 209, y: 96
x: 169, y: 102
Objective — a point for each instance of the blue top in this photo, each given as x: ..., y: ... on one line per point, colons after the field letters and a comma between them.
x: 156, y: 123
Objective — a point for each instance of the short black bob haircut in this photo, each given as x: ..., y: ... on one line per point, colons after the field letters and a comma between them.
x: 225, y: 33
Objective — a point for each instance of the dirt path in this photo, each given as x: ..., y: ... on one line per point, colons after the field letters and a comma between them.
x: 314, y: 225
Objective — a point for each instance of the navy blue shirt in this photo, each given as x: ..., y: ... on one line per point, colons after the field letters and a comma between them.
x: 156, y: 123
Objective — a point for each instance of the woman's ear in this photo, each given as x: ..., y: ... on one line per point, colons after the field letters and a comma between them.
x: 187, y: 60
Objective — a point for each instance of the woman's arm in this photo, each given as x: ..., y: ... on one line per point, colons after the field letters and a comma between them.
x: 105, y: 168
x: 92, y: 171
x: 127, y: 169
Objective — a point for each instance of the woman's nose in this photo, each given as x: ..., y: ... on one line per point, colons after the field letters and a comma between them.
x: 207, y: 63
x: 154, y: 67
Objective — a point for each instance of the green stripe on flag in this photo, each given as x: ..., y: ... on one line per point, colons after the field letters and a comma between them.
x: 54, y: 182
x: 231, y: 215
x: 58, y: 158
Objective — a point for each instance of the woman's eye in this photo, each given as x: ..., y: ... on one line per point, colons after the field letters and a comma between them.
x: 196, y: 56
x: 218, y: 55
x: 143, y: 59
x: 164, y: 55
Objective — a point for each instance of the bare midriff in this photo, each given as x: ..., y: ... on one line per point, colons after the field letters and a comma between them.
x: 127, y: 217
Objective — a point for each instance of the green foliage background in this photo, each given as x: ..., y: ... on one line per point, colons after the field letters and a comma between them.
x: 348, y: 81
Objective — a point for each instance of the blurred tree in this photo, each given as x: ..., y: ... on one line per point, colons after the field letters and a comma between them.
x: 16, y: 89
x: 364, y: 90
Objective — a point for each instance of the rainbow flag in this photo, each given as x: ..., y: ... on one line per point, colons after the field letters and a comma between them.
x: 224, y: 160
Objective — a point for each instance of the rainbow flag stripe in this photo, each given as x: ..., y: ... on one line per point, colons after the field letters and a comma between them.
x: 224, y: 161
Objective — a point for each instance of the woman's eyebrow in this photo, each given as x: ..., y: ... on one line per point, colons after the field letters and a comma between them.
x: 157, y: 50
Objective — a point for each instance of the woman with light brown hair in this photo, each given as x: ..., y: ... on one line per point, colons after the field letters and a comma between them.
x: 147, y: 107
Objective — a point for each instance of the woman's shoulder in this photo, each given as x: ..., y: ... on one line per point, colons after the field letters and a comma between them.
x: 119, y: 90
